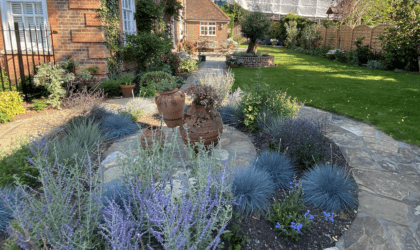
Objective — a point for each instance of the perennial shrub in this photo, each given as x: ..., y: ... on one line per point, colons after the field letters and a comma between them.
x: 221, y: 81
x: 302, y: 138
x: 375, y: 64
x: 118, y: 126
x: 154, y: 76
x: 330, y: 188
x: 11, y: 104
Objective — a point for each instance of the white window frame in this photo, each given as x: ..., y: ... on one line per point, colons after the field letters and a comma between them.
x: 207, y: 28
x: 128, y: 22
x: 7, y: 20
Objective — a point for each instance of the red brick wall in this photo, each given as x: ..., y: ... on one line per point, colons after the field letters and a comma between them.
x: 193, y: 33
x: 75, y: 23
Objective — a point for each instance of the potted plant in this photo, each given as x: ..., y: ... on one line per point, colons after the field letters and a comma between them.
x: 234, y: 62
x: 127, y: 85
x: 170, y: 102
x: 202, y: 120
x: 83, y: 78
x: 274, y: 42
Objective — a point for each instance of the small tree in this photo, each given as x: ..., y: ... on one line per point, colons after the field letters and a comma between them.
x: 255, y: 26
x: 309, y: 35
x: 292, y: 33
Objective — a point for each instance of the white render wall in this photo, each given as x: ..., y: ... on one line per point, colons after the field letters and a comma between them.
x: 306, y: 8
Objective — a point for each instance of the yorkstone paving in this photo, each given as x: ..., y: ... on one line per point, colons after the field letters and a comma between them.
x: 386, y: 171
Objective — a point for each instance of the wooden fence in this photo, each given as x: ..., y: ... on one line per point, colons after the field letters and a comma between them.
x: 345, y: 37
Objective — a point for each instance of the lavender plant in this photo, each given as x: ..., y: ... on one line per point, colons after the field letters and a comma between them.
x: 253, y: 187
x: 301, y: 138
x: 64, y: 213
x: 278, y: 166
x: 330, y: 188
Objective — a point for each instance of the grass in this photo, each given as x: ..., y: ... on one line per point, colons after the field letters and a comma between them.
x: 386, y: 99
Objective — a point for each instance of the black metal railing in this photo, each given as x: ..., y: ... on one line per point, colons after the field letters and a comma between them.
x: 23, y: 49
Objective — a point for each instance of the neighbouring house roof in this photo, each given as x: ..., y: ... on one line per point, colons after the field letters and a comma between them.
x: 205, y: 10
x: 335, y: 10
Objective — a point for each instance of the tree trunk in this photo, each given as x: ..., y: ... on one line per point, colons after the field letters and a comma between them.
x: 252, y: 47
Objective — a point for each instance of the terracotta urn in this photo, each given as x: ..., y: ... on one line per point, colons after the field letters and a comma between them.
x: 171, y: 104
x: 149, y: 133
x: 202, y: 122
x: 127, y: 90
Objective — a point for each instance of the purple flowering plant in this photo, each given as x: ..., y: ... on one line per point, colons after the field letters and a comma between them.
x: 287, y: 216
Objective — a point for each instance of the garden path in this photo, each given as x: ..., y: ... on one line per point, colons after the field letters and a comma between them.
x: 386, y: 171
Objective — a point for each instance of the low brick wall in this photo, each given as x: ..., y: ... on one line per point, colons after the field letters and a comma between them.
x: 254, y: 62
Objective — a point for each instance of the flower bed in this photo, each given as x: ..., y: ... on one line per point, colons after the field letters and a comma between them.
x: 253, y: 61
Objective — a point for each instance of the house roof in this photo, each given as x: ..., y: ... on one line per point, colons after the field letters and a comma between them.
x: 204, y: 10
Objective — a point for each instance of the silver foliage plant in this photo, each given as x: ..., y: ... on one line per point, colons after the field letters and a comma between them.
x: 220, y: 80
x: 189, y: 220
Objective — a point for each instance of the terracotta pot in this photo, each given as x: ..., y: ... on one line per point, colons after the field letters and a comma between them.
x: 202, y: 122
x: 171, y: 104
x: 148, y: 134
x: 127, y: 90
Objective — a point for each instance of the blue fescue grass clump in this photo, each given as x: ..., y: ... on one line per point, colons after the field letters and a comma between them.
x: 118, y: 126
x: 301, y: 137
x: 278, y: 166
x: 330, y: 188
x: 232, y: 114
x: 252, y: 187
x: 115, y: 191
x: 7, y: 194
x: 268, y: 120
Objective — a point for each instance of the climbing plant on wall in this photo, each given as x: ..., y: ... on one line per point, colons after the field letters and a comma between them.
x: 109, y: 14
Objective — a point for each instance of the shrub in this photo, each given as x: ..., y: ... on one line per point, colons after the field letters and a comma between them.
x: 221, y: 81
x: 83, y: 101
x: 286, y: 215
x: 11, y: 103
x: 374, y: 64
x: 339, y: 56
x: 352, y: 58
x: 66, y: 213
x: 279, y: 31
x: 10, y: 194
x: 278, y: 166
x: 5, y: 118
x: 53, y: 78
x: 164, y: 67
x: 111, y: 87
x: 82, y: 135
x: 252, y: 187
x: 179, y: 81
x: 13, y: 162
x: 302, y: 138
x: 118, y: 126
x: 283, y: 105
x: 149, y: 90
x: 154, y: 76
x: 239, y: 39
x: 330, y: 188
x: 309, y: 35
x: 292, y: 34
x: 39, y: 105
x: 135, y: 114
x: 188, y: 65
x: 269, y: 120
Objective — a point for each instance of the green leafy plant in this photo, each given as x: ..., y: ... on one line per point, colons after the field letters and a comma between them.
x: 53, y: 77
x: 309, y: 36
x: 239, y: 39
x: 39, y: 105
x: 236, y: 61
x: 93, y: 69
x: 178, y: 81
x: 165, y: 85
x: 292, y: 34
x: 11, y: 104
x: 149, y: 90
x: 126, y: 79
x: 234, y: 237
x: 13, y: 162
x: 155, y: 77
x: 187, y: 65
x: 136, y: 114
x: 279, y: 28
x: 375, y: 64
x: 287, y: 215
x: 5, y: 118
x: 111, y: 87
x: 284, y: 105
x: 255, y: 25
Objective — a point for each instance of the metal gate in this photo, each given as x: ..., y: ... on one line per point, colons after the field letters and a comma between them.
x: 23, y: 49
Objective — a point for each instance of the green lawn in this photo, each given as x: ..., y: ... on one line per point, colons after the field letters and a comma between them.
x: 388, y: 100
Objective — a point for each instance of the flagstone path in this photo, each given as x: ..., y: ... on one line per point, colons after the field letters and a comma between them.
x: 386, y: 171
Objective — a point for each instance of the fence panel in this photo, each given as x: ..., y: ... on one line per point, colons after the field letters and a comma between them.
x: 345, y: 35
x: 22, y: 49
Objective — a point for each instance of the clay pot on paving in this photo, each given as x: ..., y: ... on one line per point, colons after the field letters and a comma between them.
x: 170, y: 105
x: 149, y: 133
x: 127, y: 90
x: 202, y: 122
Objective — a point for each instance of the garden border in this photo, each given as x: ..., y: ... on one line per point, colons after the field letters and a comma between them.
x: 253, y: 61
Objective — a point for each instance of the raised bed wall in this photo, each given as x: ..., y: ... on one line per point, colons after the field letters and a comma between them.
x: 255, y: 62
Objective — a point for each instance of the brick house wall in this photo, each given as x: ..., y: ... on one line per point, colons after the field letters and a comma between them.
x: 75, y: 24
x: 193, y: 33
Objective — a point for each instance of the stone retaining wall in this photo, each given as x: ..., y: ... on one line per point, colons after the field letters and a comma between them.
x: 250, y: 61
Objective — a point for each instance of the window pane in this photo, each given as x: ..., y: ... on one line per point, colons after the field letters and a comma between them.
x: 19, y: 20
x: 212, y: 23
x: 28, y: 9
x: 16, y: 8
x: 38, y: 9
